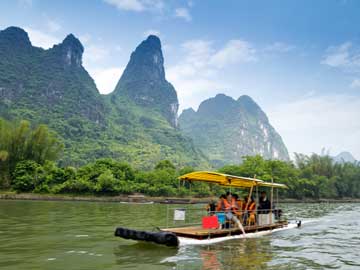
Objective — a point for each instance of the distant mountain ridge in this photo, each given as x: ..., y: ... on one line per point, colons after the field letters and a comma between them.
x: 46, y: 79
x: 344, y: 157
x: 226, y: 129
x: 138, y: 121
x: 52, y: 87
x: 143, y: 81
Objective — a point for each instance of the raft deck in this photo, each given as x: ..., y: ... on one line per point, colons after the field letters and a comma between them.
x: 197, y: 232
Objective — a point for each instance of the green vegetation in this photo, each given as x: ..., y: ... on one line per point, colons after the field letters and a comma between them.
x: 28, y: 158
x: 135, y: 124
x: 312, y: 176
x: 226, y: 130
x: 22, y: 150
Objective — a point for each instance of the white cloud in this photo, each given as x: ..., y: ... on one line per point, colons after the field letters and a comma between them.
x: 85, y: 38
x: 93, y: 53
x: 279, y: 47
x: 41, y: 39
x: 309, y: 94
x: 106, y: 79
x: 338, y: 56
x: 133, y: 5
x: 196, y: 54
x: 53, y: 26
x: 309, y: 124
x: 151, y: 32
x: 346, y: 56
x: 136, y: 5
x: 235, y: 51
x: 183, y: 13
x: 197, y: 74
x: 25, y: 3
x: 118, y: 48
x: 156, y: 5
x: 355, y: 83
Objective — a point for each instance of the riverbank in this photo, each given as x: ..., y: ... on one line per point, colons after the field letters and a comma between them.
x: 126, y: 198
x: 92, y: 198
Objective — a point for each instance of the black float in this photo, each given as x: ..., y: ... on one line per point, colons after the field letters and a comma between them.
x: 163, y: 238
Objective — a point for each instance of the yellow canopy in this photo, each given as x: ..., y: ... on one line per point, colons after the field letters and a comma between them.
x: 227, y: 180
x: 269, y: 184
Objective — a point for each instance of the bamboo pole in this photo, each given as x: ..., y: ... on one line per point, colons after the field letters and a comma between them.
x: 271, y: 200
x: 249, y: 198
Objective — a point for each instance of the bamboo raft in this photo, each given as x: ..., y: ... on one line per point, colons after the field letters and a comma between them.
x: 197, y: 232
x: 191, y: 234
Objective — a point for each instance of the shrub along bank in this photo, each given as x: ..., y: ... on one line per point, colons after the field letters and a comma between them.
x: 28, y: 158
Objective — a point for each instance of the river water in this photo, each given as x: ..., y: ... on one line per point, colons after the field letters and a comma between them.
x: 79, y: 235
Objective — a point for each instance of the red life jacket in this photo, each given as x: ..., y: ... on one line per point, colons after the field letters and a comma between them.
x: 239, y: 207
x: 226, y: 206
x: 252, y: 207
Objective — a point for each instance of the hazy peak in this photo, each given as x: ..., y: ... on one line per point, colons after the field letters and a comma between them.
x: 74, y: 42
x: 344, y: 157
x: 144, y: 82
x: 15, y: 36
x: 71, y: 51
x: 153, y: 41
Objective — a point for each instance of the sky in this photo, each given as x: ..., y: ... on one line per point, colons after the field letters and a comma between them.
x: 299, y: 60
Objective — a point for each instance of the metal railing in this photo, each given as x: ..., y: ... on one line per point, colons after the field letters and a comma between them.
x: 191, y: 216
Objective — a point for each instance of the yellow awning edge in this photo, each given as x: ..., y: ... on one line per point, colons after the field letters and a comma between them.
x: 227, y: 180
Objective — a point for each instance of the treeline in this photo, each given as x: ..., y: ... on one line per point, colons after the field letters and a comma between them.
x: 104, y: 177
x: 19, y: 142
x: 312, y: 176
x: 28, y: 158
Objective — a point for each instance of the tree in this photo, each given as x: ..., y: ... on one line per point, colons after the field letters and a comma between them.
x: 165, y: 165
x: 19, y: 142
x: 27, y: 175
x: 106, y: 182
x: 43, y: 145
x: 4, y: 180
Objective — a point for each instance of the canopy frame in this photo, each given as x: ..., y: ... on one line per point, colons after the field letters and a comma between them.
x: 228, y: 180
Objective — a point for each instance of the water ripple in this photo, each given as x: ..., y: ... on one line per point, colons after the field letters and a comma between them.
x: 77, y: 235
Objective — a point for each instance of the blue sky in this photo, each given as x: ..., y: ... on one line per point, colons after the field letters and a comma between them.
x: 300, y: 60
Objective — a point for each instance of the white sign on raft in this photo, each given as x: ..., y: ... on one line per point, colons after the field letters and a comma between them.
x: 179, y: 214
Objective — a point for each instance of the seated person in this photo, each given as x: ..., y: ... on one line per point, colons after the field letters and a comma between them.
x: 239, y: 204
x: 264, y: 204
x: 229, y: 207
x: 250, y: 211
x: 220, y: 203
x: 211, y: 208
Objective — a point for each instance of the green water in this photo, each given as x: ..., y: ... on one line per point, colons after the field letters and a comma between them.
x: 79, y: 235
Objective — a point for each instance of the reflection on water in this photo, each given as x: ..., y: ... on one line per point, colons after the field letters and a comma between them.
x: 209, y: 260
x: 78, y: 235
x: 245, y: 254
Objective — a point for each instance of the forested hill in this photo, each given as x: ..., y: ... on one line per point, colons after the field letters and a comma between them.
x: 35, y: 82
x: 234, y: 129
x: 52, y: 87
x: 138, y: 122
x: 143, y: 113
x: 144, y: 84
